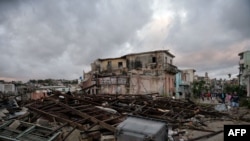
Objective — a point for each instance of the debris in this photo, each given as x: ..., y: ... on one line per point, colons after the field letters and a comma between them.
x: 221, y: 107
x: 100, y: 117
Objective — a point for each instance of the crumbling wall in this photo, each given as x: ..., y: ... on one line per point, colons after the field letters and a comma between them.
x: 141, y: 84
x: 113, y: 85
x: 146, y: 84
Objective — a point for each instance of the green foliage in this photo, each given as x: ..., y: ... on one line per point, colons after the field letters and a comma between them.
x: 198, y: 87
x: 32, y: 81
x: 241, y: 90
x: 53, y: 81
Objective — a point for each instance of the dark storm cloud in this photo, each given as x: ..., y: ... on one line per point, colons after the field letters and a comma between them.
x: 58, y: 39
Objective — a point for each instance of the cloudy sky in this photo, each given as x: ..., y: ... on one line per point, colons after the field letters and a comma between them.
x: 58, y: 39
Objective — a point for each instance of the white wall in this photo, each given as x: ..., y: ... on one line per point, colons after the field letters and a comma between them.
x: 5, y: 88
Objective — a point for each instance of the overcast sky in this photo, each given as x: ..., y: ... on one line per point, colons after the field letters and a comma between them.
x: 58, y: 39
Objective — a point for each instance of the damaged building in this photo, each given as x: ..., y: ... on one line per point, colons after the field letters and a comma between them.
x: 137, y: 73
x: 183, y: 83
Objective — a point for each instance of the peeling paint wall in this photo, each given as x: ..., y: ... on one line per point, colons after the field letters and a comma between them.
x: 150, y: 72
x: 149, y: 60
x: 109, y: 64
x: 113, y: 89
x: 113, y: 85
x: 152, y: 84
x: 188, y: 75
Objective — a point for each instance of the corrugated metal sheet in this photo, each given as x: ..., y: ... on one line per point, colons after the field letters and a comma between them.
x: 141, y: 129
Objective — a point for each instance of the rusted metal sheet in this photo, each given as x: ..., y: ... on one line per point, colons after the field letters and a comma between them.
x: 90, y: 114
x: 106, y: 111
x: 16, y: 130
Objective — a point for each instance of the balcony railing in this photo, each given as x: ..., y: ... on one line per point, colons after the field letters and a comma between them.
x: 170, y: 68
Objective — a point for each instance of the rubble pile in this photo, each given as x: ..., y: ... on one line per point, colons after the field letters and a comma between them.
x: 96, y: 117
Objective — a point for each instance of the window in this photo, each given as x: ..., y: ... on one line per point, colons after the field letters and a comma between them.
x: 109, y: 66
x: 109, y: 63
x: 120, y: 65
x: 154, y: 59
x: 171, y: 61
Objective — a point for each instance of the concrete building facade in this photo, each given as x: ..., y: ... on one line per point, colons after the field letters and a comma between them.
x: 137, y: 73
x: 7, y: 88
x: 244, y: 70
x: 184, y: 80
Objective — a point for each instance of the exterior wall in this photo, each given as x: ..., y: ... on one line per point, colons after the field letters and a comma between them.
x: 149, y: 60
x: 188, y: 75
x: 39, y: 94
x: 148, y: 72
x: 7, y: 88
x: 184, y: 80
x: 114, y: 64
x: 177, y: 84
x: 138, y: 84
x: 145, y: 84
x: 170, y: 88
x: 141, y: 84
x: 244, y: 65
x: 113, y: 85
x: 113, y: 89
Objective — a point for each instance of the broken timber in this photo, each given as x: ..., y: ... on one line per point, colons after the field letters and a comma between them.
x: 87, y: 115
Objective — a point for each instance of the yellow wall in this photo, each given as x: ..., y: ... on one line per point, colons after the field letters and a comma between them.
x: 114, y: 63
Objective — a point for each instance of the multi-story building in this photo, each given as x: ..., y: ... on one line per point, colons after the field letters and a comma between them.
x: 184, y: 80
x: 137, y: 73
x: 244, y: 70
x: 7, y: 88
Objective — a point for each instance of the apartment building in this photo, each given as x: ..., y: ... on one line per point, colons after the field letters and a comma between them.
x: 7, y: 88
x: 244, y: 70
x: 184, y: 80
x: 136, y: 73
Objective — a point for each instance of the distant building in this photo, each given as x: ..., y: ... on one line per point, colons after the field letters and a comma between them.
x: 137, y: 73
x: 184, y: 80
x: 7, y: 88
x: 244, y: 70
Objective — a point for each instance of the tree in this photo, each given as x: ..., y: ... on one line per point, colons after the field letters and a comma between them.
x: 198, y: 87
x: 32, y: 81
x: 241, y: 90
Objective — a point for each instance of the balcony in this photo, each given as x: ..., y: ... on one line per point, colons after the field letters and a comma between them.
x: 170, y: 69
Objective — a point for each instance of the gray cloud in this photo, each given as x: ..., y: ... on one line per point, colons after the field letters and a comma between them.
x: 58, y: 39
x: 211, y: 35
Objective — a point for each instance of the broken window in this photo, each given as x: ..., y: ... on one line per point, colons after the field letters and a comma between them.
x: 138, y: 64
x: 109, y: 63
x: 153, y: 59
x: 109, y: 66
x: 120, y: 65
